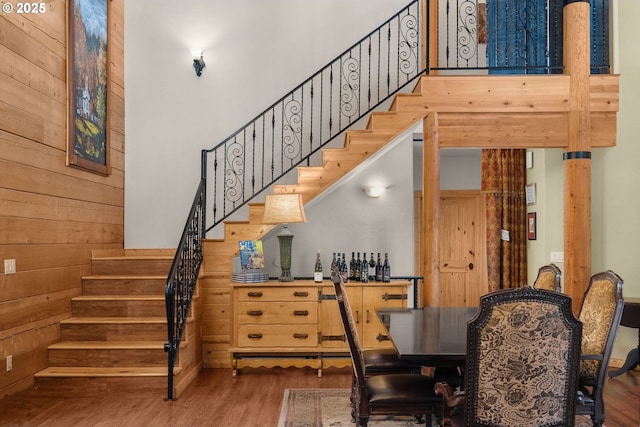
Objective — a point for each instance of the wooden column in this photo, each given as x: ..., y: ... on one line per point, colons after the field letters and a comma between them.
x: 430, y: 210
x: 577, y: 156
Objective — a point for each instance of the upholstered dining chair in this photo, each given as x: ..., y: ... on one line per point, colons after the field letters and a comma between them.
x: 383, y: 394
x: 523, y: 351
x: 600, y: 314
x: 549, y: 278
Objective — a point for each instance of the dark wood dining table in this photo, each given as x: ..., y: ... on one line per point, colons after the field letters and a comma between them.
x: 630, y: 319
x: 433, y: 336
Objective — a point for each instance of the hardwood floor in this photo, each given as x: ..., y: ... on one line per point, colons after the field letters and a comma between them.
x: 252, y: 399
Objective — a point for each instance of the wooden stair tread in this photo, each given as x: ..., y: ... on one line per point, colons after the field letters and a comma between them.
x: 120, y: 297
x: 106, y: 320
x: 123, y: 277
x: 78, y: 372
x: 132, y: 257
x: 110, y: 345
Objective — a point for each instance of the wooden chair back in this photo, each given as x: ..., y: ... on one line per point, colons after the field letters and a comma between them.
x: 600, y: 314
x: 549, y: 278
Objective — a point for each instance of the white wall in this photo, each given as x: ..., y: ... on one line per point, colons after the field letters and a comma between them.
x: 347, y: 220
x: 255, y: 52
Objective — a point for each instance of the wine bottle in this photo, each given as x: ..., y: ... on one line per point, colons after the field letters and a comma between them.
x: 317, y: 271
x: 358, y: 268
x: 333, y: 261
x: 372, y: 268
x: 352, y: 267
x: 364, y: 269
x: 379, y: 269
x: 343, y: 269
x: 386, y: 269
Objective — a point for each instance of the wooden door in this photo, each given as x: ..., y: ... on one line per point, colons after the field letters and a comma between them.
x: 462, y: 265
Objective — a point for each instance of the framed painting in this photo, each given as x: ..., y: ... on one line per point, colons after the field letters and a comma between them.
x: 87, y: 85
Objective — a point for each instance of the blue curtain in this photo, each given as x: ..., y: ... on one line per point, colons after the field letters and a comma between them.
x: 525, y: 36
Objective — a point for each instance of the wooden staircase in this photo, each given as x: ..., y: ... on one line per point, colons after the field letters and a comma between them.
x: 114, y: 341
x: 359, y: 145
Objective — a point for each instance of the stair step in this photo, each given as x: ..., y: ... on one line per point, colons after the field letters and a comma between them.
x: 107, y: 354
x: 243, y: 230
x: 91, y: 372
x: 393, y: 121
x: 123, y: 285
x: 148, y: 382
x: 338, y: 155
x: 141, y: 265
x: 119, y: 305
x: 113, y: 328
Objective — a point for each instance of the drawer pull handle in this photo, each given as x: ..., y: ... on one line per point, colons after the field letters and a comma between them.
x: 300, y: 294
x: 301, y: 336
x: 254, y: 312
x: 254, y: 336
x: 388, y: 297
x: 301, y: 312
x: 381, y: 338
x: 254, y: 294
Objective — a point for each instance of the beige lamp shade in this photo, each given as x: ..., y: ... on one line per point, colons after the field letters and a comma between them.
x: 283, y: 209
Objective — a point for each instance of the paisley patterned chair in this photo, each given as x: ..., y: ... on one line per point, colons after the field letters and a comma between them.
x: 600, y: 315
x: 549, y: 278
x: 523, y: 352
x: 382, y: 394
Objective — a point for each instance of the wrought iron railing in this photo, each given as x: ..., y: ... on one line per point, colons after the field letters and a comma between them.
x: 526, y: 38
x: 182, y: 279
x: 300, y: 123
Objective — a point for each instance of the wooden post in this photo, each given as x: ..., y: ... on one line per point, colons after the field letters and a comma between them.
x: 430, y: 211
x: 577, y: 156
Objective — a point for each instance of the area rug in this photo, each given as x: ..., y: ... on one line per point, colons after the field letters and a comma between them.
x: 329, y: 407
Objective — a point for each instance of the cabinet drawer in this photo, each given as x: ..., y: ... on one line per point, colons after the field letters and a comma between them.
x: 277, y: 336
x: 291, y: 313
x: 278, y: 294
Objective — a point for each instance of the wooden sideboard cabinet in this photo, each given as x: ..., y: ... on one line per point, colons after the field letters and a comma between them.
x: 297, y: 324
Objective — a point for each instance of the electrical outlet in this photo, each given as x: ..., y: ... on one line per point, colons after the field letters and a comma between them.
x: 556, y: 257
x: 9, y: 363
x: 9, y: 266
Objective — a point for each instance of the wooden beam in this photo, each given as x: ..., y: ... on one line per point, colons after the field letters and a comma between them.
x: 577, y: 155
x: 430, y: 210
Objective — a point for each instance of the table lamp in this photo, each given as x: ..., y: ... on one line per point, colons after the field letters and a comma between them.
x: 284, y: 209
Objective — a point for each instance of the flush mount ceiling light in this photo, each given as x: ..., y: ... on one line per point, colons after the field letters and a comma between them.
x: 198, y: 61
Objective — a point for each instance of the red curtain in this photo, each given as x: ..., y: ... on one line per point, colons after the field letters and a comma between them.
x: 503, y: 186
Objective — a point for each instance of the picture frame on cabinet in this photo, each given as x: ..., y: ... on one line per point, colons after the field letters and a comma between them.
x: 87, y: 85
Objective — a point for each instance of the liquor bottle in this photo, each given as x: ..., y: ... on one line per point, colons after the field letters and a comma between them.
x: 317, y: 271
x: 364, y: 269
x: 386, y: 269
x: 343, y: 269
x: 379, y: 269
x: 372, y: 268
x: 352, y: 267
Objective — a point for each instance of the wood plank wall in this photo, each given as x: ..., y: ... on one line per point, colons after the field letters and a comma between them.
x: 51, y: 215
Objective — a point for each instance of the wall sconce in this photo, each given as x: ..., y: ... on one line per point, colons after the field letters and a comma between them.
x: 284, y: 209
x: 374, y: 192
x: 198, y: 62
